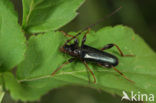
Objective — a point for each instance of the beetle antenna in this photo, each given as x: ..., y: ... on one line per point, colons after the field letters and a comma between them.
x: 107, y: 16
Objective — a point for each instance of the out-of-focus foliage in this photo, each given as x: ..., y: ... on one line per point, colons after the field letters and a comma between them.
x: 136, y: 14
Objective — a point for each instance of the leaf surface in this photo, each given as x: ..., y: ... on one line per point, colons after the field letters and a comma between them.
x: 46, y: 15
x: 43, y: 57
x: 12, y: 40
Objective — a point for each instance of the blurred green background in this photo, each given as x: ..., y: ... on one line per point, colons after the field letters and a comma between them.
x: 137, y: 14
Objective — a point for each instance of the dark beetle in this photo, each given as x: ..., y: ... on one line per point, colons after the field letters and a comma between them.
x: 87, y: 53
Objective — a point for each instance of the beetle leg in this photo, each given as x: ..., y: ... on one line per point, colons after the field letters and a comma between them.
x: 73, y: 37
x: 76, y: 42
x: 65, y: 34
x: 84, y: 37
x: 118, y: 72
x: 122, y: 74
x: 90, y: 70
x: 108, y: 46
x: 69, y: 61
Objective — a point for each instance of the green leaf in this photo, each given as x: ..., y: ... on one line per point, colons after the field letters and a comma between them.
x: 12, y: 40
x: 46, y: 15
x: 43, y: 57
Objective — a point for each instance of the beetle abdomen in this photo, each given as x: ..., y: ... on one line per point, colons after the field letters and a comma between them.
x: 98, y: 56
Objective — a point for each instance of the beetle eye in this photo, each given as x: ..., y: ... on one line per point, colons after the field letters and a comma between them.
x: 76, y: 51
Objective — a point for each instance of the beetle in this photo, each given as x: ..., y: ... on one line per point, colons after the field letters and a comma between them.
x: 86, y: 53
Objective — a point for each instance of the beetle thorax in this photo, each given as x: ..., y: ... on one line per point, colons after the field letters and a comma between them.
x: 72, y: 50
